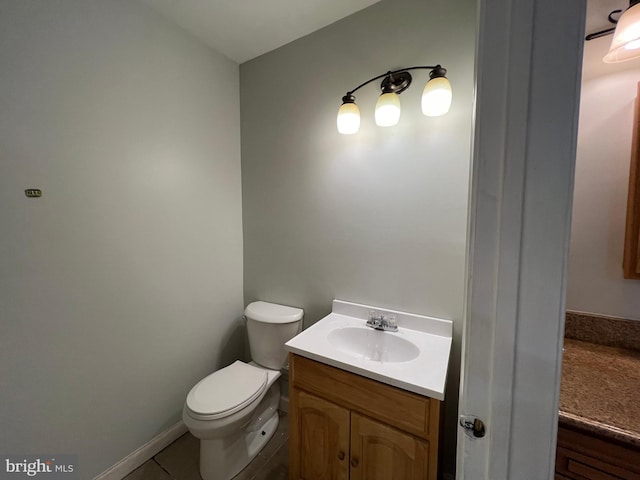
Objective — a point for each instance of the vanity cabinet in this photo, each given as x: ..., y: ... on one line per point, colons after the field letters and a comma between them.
x: 348, y: 427
x: 582, y: 456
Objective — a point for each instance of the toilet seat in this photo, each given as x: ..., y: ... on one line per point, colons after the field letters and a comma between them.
x: 226, y: 391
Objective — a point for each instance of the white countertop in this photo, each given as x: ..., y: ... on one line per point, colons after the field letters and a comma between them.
x: 425, y: 374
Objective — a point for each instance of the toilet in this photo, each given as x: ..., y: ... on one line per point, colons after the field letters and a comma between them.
x: 234, y: 410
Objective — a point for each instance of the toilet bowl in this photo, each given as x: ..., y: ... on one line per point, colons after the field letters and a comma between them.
x: 234, y: 410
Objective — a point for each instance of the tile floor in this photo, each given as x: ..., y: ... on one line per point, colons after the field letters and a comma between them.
x: 179, y: 461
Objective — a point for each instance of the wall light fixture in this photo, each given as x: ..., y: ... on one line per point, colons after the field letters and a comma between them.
x: 625, y: 44
x: 436, y: 98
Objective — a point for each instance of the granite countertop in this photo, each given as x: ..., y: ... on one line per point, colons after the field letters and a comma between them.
x: 600, y: 390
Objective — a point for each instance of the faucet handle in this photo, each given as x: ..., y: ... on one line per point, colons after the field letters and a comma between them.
x: 392, y: 321
x: 374, y: 319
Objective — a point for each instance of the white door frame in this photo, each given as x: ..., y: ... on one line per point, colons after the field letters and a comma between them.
x: 528, y: 70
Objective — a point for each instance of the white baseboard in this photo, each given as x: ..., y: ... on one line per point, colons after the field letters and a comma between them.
x: 132, y: 461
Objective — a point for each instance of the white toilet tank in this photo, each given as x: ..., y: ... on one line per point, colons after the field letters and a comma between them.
x: 269, y: 327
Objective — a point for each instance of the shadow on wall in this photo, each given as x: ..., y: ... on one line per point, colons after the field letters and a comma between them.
x: 234, y: 340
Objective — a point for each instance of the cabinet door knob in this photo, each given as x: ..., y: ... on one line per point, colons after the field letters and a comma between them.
x: 341, y: 455
x: 354, y: 462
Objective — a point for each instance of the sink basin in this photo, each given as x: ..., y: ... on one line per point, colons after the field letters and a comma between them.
x: 374, y: 345
x: 415, y: 358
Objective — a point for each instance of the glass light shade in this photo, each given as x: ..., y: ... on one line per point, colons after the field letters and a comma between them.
x: 626, y: 39
x: 436, y: 97
x: 388, y: 110
x: 348, y: 119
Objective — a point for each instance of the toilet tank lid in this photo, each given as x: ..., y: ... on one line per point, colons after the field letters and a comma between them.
x: 272, y: 313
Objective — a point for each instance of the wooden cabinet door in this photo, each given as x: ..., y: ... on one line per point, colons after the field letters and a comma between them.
x: 319, y: 439
x: 380, y: 452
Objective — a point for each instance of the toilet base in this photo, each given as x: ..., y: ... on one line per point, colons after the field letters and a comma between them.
x: 224, y: 458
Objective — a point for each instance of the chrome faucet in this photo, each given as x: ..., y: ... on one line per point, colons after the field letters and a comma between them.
x: 380, y: 321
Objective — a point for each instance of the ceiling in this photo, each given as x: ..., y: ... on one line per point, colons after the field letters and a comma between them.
x: 245, y: 29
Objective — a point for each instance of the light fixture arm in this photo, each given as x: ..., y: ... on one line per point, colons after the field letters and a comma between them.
x: 607, y: 31
x: 601, y: 33
x: 390, y: 73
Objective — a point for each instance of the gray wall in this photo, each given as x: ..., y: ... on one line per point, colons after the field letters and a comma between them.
x: 122, y: 286
x: 379, y: 217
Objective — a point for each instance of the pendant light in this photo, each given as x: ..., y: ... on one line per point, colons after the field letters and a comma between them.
x: 626, y: 34
x: 388, y: 104
x: 348, y: 116
x: 436, y: 97
x: 626, y: 39
x: 387, y: 110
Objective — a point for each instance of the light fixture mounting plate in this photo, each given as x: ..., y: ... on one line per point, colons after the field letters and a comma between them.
x: 396, y: 82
